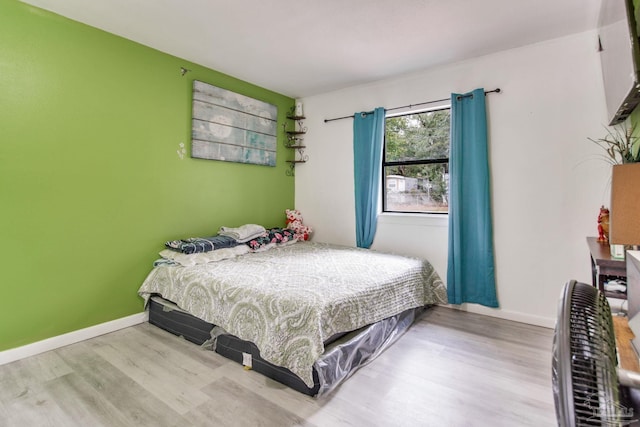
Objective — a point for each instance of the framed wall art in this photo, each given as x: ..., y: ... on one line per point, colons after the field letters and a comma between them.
x: 231, y: 127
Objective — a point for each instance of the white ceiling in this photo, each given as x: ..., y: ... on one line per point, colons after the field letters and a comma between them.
x: 305, y: 47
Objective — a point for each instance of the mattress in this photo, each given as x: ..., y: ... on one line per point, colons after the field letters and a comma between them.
x: 289, y: 300
x: 344, y: 353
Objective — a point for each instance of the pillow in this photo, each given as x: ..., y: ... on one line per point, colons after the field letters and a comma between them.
x: 189, y: 260
x: 243, y: 233
x: 271, y: 238
x: 201, y: 244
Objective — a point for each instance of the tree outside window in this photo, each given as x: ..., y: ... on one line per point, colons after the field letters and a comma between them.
x: 416, y: 162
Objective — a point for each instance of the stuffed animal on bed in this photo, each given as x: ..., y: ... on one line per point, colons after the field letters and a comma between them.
x: 294, y: 222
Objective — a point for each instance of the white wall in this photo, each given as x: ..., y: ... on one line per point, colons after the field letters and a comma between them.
x: 548, y: 182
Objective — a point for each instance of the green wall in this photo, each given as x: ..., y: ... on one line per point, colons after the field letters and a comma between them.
x: 91, y: 184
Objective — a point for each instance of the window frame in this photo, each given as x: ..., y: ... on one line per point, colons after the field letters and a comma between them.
x: 385, y: 164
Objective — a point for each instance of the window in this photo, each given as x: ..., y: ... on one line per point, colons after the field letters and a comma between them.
x: 415, y: 162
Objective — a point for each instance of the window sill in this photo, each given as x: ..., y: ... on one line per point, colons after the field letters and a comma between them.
x: 429, y: 220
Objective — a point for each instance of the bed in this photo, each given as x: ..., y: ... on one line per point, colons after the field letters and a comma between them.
x: 306, y: 314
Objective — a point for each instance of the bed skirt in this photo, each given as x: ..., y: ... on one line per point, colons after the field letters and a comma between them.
x: 342, y: 357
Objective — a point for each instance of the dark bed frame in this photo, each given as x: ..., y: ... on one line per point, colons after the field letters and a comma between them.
x: 344, y: 353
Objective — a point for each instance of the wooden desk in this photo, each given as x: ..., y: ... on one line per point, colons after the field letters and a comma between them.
x: 628, y: 359
x: 602, y: 265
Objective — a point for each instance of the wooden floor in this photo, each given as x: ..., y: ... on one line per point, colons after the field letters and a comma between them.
x: 450, y: 369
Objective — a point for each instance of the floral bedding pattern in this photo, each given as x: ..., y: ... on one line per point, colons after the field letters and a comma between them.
x: 290, y: 299
x: 273, y: 236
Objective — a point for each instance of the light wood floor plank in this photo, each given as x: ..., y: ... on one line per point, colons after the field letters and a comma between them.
x: 186, y: 348
x: 233, y: 404
x: 450, y: 369
x: 142, y: 361
x: 336, y: 413
x: 140, y: 406
x: 31, y: 372
x: 84, y: 404
x: 21, y: 411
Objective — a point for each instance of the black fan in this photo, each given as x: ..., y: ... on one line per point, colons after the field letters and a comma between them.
x: 584, y: 366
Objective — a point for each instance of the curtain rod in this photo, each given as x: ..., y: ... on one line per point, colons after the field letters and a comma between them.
x: 497, y: 90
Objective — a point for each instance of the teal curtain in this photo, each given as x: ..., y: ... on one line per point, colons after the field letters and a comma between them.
x: 470, y: 270
x: 368, y: 135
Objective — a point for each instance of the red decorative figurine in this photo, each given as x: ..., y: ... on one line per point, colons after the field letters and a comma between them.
x: 603, y: 225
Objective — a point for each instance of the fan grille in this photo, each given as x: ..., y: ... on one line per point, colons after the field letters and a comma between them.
x: 585, y: 342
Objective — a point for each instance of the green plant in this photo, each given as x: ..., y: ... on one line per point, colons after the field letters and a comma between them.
x: 621, y: 144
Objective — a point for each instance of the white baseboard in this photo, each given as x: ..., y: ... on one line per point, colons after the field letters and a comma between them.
x: 52, y: 343
x: 545, y: 322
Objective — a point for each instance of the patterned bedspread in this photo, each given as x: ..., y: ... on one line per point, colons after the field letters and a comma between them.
x: 289, y: 300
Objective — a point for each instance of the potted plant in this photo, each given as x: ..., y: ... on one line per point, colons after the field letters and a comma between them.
x: 621, y: 144
x: 622, y: 148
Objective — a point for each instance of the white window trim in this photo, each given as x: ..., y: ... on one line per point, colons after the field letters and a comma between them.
x: 409, y: 218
